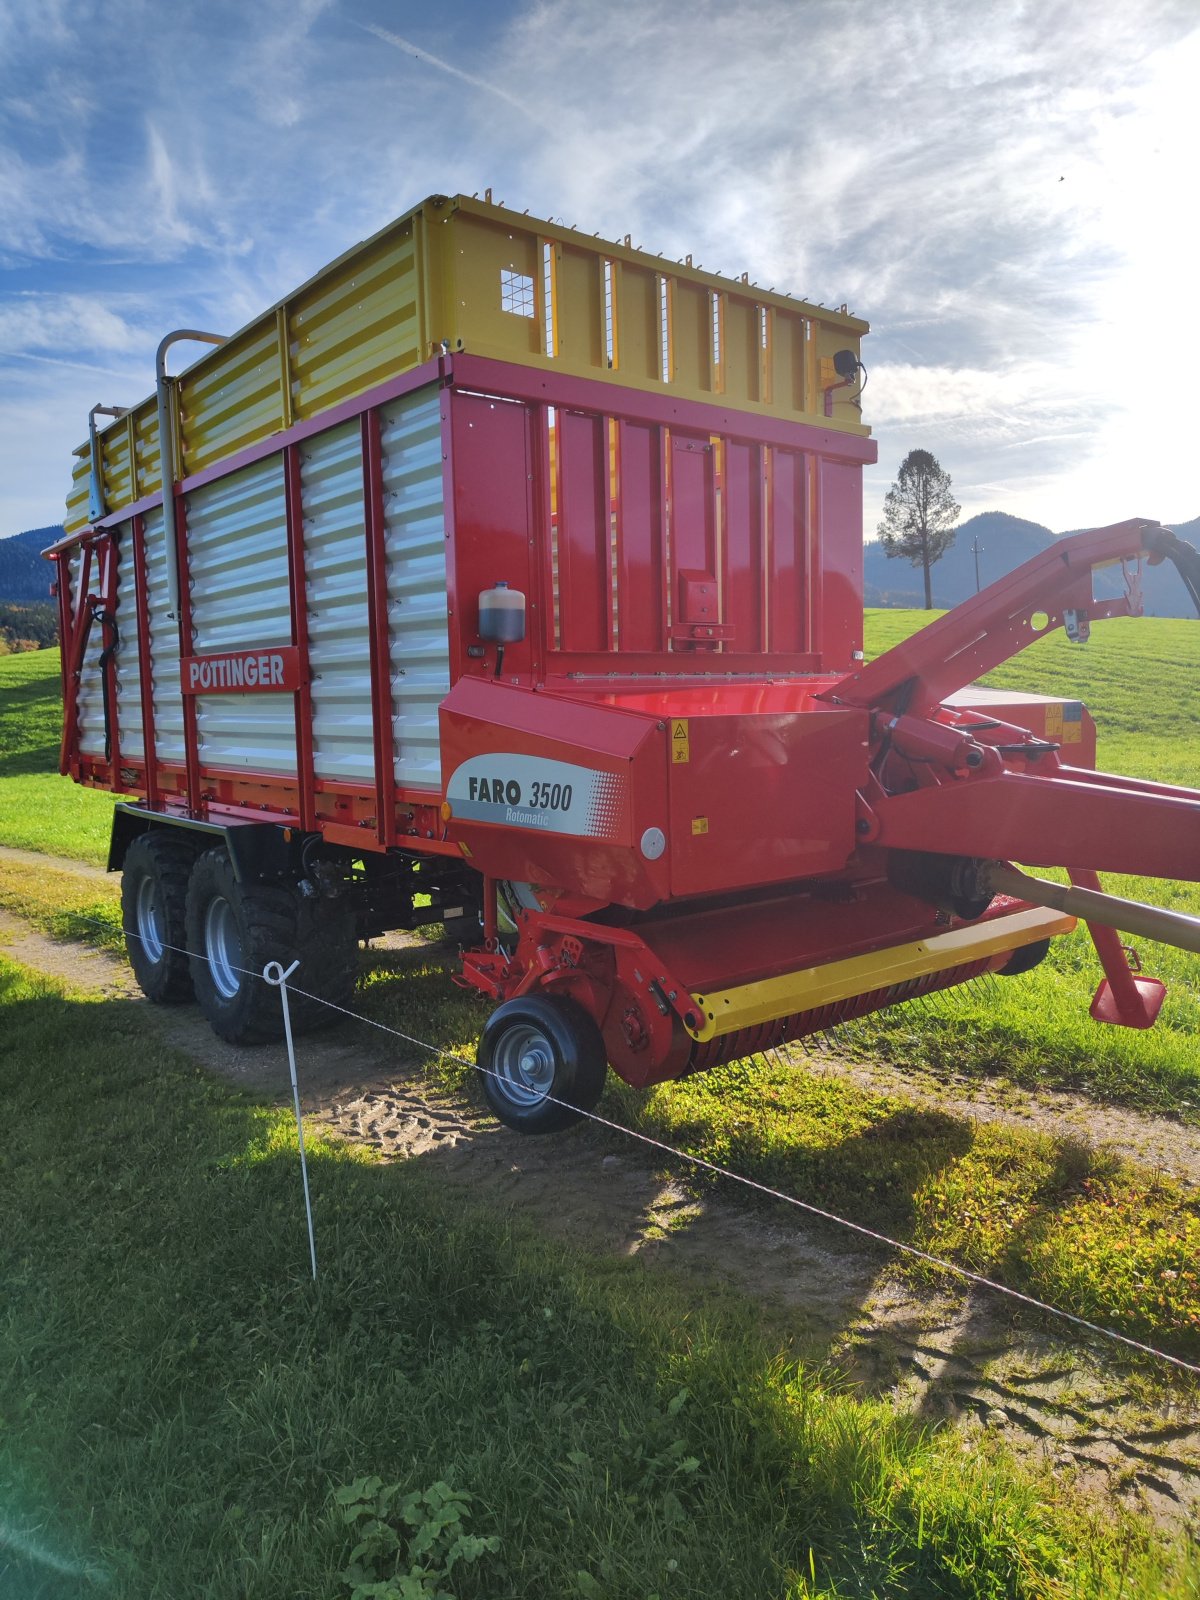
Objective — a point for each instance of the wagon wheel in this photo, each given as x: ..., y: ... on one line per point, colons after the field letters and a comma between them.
x: 235, y: 928
x: 154, y: 881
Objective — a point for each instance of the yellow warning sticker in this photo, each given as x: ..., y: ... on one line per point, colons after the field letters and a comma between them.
x: 1054, y: 722
x: 699, y: 824
x: 1072, y: 733
x: 681, y: 749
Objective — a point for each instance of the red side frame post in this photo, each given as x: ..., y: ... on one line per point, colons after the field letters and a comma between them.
x: 377, y: 613
x: 79, y: 618
x: 298, y: 595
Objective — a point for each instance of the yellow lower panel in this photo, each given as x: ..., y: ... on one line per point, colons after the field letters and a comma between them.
x: 727, y: 1010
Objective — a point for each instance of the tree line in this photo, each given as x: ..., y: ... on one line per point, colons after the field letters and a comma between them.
x: 26, y: 627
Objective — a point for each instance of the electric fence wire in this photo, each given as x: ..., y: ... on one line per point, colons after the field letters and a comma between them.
x: 953, y: 1269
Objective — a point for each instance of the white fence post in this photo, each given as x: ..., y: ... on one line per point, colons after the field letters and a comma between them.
x: 274, y: 974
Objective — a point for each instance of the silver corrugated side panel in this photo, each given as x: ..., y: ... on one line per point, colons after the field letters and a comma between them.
x: 238, y: 577
x: 335, y: 570
x: 89, y: 705
x: 127, y: 657
x: 164, y: 646
x: 418, y: 620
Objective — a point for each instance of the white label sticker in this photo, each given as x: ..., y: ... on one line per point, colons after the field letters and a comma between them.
x: 533, y: 792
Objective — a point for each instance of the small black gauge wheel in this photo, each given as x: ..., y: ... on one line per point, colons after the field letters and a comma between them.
x: 543, y: 1063
x: 1025, y: 959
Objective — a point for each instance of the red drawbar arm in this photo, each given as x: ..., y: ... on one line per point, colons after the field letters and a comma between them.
x: 933, y: 791
x: 995, y: 625
x: 1114, y: 825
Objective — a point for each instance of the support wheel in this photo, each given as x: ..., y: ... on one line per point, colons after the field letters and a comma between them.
x: 464, y: 931
x: 234, y: 929
x: 544, y: 1063
x: 1025, y: 959
x: 154, y: 884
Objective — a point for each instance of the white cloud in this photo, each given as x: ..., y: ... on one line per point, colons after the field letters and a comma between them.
x: 276, y: 62
x: 1004, y: 189
x: 427, y: 58
x: 43, y: 417
x: 906, y: 394
x: 46, y: 322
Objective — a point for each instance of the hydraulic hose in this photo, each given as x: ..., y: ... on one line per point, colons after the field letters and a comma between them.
x: 107, y: 619
x: 1165, y: 544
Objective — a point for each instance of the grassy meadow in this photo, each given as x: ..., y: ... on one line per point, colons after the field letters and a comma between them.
x: 38, y: 809
x: 182, y: 1407
x: 178, y: 1406
x: 1102, y: 1237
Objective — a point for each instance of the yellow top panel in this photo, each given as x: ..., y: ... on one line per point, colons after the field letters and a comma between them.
x: 465, y: 274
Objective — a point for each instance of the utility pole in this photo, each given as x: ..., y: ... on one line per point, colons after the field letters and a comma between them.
x: 977, y: 550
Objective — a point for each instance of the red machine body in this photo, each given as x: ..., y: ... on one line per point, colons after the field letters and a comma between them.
x: 680, y: 801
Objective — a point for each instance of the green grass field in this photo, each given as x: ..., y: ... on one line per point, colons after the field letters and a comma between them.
x: 38, y: 809
x: 1106, y: 1239
x: 1100, y: 1237
x: 180, y: 1405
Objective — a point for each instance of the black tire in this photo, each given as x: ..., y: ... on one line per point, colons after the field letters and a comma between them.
x: 543, y: 1063
x: 234, y: 929
x: 1025, y: 959
x: 154, y: 882
x: 464, y: 932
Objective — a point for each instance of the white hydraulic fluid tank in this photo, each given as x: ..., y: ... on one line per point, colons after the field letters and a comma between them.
x: 501, y: 614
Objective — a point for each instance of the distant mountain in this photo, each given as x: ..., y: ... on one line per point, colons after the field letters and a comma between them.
x: 24, y: 576
x: 1004, y: 543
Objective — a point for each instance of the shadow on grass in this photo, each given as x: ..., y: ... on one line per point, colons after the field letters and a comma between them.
x: 872, y: 1176
x: 182, y: 1400
x: 29, y: 711
x: 34, y: 762
x: 884, y: 1175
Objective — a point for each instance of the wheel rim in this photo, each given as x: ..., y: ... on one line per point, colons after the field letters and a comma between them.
x: 523, y: 1065
x: 149, y: 922
x: 223, y: 947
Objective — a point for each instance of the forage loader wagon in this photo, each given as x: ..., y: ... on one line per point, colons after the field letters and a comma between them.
x: 508, y: 578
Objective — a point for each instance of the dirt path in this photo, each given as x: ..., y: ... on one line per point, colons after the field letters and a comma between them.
x: 949, y: 1358
x: 36, y: 858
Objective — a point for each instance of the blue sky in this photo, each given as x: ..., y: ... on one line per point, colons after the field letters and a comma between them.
x: 1006, y: 191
